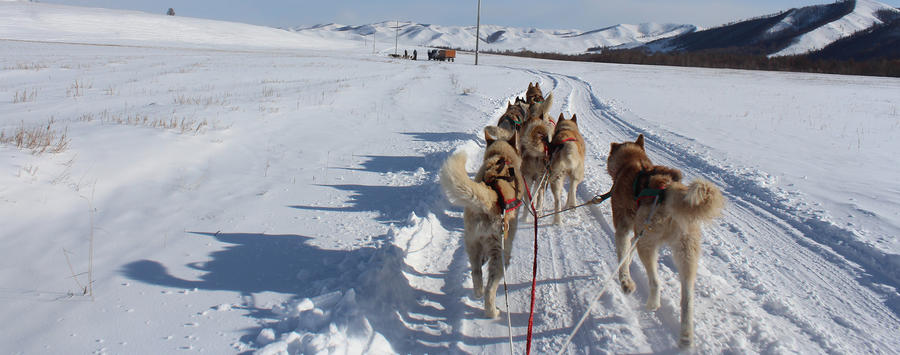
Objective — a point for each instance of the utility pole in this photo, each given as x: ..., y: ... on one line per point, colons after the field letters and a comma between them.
x: 477, y: 31
x: 397, y: 37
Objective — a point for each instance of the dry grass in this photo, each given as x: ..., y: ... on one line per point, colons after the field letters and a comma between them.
x: 270, y: 92
x: 26, y: 66
x: 182, y: 124
x: 77, y: 88
x: 24, y: 96
x: 202, y: 101
x: 39, y: 139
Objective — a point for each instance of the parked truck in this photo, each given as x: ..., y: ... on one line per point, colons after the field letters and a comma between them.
x: 442, y: 54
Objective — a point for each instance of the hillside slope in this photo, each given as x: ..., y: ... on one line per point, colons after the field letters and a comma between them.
x: 795, y: 31
x: 59, y: 23
x: 881, y: 41
x: 498, y: 38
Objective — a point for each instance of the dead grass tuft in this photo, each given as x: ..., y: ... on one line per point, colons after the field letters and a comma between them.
x: 26, y: 66
x: 24, y: 96
x: 180, y: 124
x: 39, y: 140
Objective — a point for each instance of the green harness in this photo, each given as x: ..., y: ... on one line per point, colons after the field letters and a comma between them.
x: 646, y: 193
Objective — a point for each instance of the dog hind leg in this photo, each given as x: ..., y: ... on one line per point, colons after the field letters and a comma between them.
x: 556, y: 186
x: 574, y: 180
x: 687, y: 254
x: 623, y: 242
x: 649, y: 257
x: 475, y: 262
x: 495, y: 274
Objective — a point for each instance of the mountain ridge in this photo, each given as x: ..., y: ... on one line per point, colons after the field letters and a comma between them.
x: 500, y: 38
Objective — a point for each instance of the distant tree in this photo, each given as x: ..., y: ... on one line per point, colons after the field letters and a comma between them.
x: 171, y: 12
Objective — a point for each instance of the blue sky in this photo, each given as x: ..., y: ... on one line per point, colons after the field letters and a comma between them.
x: 560, y: 14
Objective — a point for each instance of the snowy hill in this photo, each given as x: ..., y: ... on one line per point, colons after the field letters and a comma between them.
x: 218, y: 196
x: 865, y: 14
x: 795, y: 31
x: 499, y: 38
x: 880, y: 41
x: 59, y: 23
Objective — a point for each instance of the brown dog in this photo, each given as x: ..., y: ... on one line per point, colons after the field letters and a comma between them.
x: 567, y: 151
x: 491, y: 200
x: 679, y: 211
x: 534, y: 93
x: 535, y: 150
x: 538, y: 104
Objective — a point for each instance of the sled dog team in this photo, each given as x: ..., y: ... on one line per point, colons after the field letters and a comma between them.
x: 527, y: 151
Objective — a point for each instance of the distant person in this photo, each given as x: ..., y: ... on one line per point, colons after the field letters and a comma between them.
x: 171, y: 12
x: 405, y: 54
x: 415, y: 54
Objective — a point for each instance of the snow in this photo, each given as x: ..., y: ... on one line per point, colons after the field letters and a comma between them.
x: 862, y: 17
x: 59, y: 23
x: 497, y: 38
x: 293, y: 206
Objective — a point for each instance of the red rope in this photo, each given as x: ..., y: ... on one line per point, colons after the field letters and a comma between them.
x: 533, y: 273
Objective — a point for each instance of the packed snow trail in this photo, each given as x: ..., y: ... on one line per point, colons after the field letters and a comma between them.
x: 761, y: 293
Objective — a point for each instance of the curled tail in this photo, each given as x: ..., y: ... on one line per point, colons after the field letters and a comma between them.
x: 541, y: 109
x: 699, y: 201
x: 463, y: 191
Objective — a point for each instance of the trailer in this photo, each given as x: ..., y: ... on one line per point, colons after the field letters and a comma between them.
x: 442, y: 54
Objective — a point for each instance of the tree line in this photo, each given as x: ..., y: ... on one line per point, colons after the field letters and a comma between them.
x: 727, y: 59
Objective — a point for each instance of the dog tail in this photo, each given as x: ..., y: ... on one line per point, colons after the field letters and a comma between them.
x: 545, y: 106
x: 541, y: 109
x: 699, y: 201
x: 463, y: 191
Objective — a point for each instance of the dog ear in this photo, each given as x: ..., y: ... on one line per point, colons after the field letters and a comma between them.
x: 561, y: 118
x: 488, y: 137
x: 640, y: 141
x: 537, y: 86
x: 529, y: 85
x: 573, y: 119
x: 613, y: 147
x: 514, y: 141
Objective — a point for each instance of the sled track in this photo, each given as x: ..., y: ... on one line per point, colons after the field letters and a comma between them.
x: 744, y: 293
x: 832, y: 253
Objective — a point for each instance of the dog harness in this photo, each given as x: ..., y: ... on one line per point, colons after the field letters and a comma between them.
x: 514, y: 122
x: 555, y: 147
x: 647, y: 193
x: 506, y: 203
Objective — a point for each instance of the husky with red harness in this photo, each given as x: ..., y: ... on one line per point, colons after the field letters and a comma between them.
x: 567, y: 150
x: 491, y: 204
x: 535, y: 151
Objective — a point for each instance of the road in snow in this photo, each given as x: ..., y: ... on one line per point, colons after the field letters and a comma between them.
x: 243, y: 199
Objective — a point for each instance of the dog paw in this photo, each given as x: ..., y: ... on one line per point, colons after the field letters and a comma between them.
x: 492, y: 313
x: 557, y: 220
x: 628, y: 286
x: 652, y: 304
x: 685, y: 342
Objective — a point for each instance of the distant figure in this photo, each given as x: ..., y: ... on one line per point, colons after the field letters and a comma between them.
x: 171, y: 12
x: 415, y: 54
x: 405, y: 54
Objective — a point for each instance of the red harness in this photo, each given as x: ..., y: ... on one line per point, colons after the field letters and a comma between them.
x: 506, y: 204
